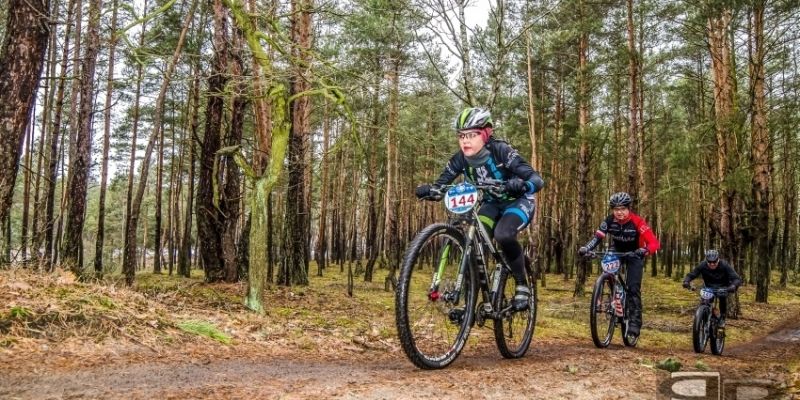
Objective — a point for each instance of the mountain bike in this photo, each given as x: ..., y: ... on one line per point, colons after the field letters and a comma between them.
x: 706, y: 325
x: 443, y: 270
x: 608, y: 307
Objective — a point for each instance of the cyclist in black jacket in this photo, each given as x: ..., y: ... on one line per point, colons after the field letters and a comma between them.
x: 718, y: 274
x: 482, y: 158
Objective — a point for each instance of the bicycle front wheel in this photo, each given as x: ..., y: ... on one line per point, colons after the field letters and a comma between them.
x: 433, y: 315
x: 717, y: 338
x: 700, y: 328
x: 601, y: 312
x: 629, y: 340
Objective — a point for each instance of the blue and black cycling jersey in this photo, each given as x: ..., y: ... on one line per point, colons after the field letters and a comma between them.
x: 503, y: 163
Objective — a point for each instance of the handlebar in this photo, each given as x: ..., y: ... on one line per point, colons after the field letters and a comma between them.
x: 493, y: 186
x: 592, y: 254
x: 722, y: 292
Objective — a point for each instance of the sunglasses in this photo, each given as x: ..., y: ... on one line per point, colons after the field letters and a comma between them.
x: 713, y: 262
x: 467, y: 135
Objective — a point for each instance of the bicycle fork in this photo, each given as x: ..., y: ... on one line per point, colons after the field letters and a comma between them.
x: 451, y: 296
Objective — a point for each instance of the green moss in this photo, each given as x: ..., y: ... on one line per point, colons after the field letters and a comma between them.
x: 19, y: 312
x: 669, y: 364
x: 203, y: 328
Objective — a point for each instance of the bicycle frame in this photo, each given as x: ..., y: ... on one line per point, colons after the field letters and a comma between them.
x: 619, y: 277
x: 477, y: 239
x: 456, y: 271
x: 706, y: 329
x: 615, y: 312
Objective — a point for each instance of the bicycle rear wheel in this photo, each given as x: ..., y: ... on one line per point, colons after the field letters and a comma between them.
x: 514, y: 330
x: 700, y: 328
x: 433, y: 325
x: 601, y: 311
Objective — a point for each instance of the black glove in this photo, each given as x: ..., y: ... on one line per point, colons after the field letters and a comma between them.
x: 583, y: 250
x: 516, y: 187
x: 731, y: 288
x: 686, y: 284
x: 641, y: 252
x: 423, y: 191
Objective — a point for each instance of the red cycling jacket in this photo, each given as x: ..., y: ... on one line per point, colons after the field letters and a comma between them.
x: 628, y: 235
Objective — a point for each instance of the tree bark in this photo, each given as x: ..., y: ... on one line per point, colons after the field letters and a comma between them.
x: 210, y: 220
x: 724, y: 120
x: 294, y: 266
x: 129, y: 260
x: 232, y: 193
x: 26, y: 191
x: 583, y: 155
x: 185, y: 256
x: 101, y: 207
x: 72, y: 252
x: 129, y: 247
x: 21, y: 61
x: 633, y: 116
x: 391, y: 241
x: 760, y: 157
x: 53, y: 146
x: 321, y: 249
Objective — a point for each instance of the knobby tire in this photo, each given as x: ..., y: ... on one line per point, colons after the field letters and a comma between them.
x: 433, y: 332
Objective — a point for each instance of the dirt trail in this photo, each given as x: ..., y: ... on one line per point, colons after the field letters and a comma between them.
x: 555, y: 369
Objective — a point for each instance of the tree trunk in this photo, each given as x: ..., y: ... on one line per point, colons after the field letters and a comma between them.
x: 583, y: 156
x: 40, y: 199
x: 534, y: 238
x: 101, y: 207
x: 724, y: 120
x: 157, y: 250
x: 633, y: 127
x: 72, y: 252
x: 320, y: 252
x: 26, y: 191
x: 466, y: 69
x: 210, y: 220
x: 129, y: 246
x: 232, y: 194
x: 760, y: 157
x: 295, y: 263
x: 391, y: 235
x: 129, y: 259
x: 185, y: 256
x: 53, y: 150
x: 21, y: 61
x: 372, y: 187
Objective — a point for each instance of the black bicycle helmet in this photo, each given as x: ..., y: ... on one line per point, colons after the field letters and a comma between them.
x: 473, y: 118
x: 620, y: 199
x: 712, y: 255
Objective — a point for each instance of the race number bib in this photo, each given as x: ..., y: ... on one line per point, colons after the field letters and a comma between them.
x: 461, y: 198
x: 610, y: 263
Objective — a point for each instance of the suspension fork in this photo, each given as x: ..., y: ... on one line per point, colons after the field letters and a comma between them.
x: 454, y: 295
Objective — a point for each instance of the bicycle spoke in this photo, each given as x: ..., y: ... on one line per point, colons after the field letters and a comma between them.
x: 432, y: 328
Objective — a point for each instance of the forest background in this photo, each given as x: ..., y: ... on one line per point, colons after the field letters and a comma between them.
x: 247, y: 139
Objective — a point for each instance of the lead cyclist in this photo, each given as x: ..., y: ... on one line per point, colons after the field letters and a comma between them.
x: 481, y: 158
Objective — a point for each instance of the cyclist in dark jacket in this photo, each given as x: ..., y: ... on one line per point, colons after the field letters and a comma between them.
x: 482, y: 158
x: 717, y: 274
x: 629, y: 233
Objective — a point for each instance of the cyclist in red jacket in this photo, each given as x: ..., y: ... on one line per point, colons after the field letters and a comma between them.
x: 629, y: 233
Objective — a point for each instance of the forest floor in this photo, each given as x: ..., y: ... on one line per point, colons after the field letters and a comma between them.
x: 178, y: 338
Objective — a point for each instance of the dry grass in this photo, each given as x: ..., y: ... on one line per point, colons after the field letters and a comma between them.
x: 55, y: 309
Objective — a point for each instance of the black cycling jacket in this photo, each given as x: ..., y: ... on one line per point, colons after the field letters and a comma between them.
x: 503, y: 164
x: 723, y: 275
